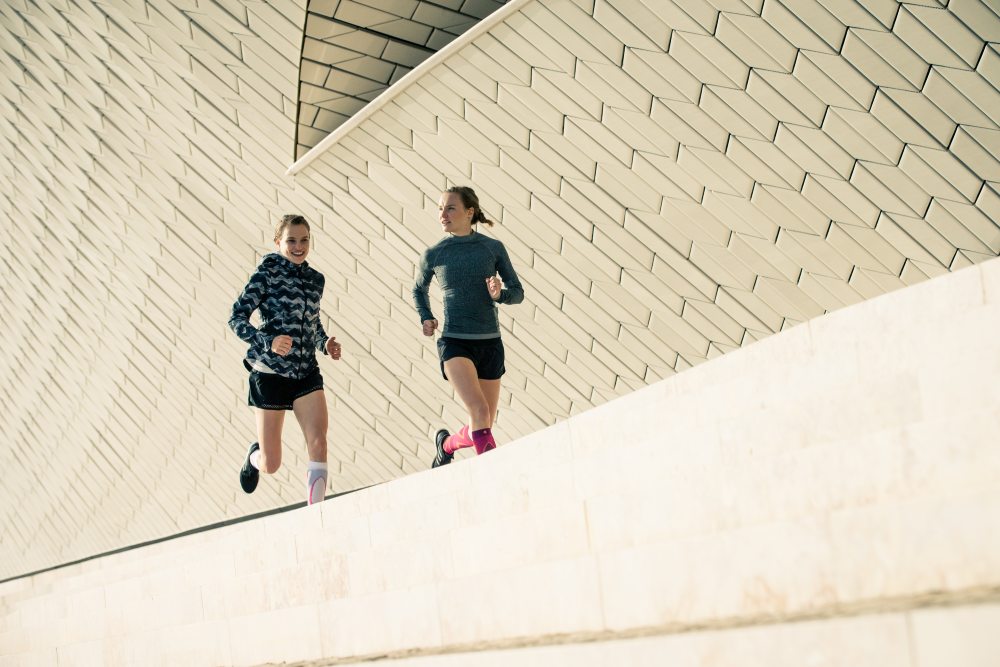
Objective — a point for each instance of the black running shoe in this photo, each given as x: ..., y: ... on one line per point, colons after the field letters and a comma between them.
x: 442, y: 458
x: 249, y: 476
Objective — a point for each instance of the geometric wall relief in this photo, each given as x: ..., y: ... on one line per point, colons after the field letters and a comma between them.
x: 355, y: 49
x: 673, y: 180
x: 142, y: 150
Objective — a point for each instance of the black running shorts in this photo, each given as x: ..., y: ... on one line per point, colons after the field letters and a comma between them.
x: 270, y: 391
x: 486, y: 355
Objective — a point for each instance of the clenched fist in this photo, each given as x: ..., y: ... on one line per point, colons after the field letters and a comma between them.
x: 281, y: 345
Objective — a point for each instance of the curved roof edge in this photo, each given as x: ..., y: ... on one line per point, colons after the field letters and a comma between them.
x: 389, y: 93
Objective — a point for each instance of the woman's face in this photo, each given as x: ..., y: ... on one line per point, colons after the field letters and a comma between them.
x: 454, y: 217
x: 294, y: 243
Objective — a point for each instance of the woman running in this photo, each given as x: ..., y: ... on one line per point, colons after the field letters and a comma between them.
x: 466, y: 264
x: 281, y: 358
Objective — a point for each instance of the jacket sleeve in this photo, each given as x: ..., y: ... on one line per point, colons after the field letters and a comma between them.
x: 247, y: 302
x: 420, y: 289
x: 320, y: 337
x: 512, y: 291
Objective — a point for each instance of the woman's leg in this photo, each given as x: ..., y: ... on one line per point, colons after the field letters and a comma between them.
x: 269, y: 423
x: 491, y: 391
x: 311, y: 413
x: 462, y: 374
x: 464, y: 378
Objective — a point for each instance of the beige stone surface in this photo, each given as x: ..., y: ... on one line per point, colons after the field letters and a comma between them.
x: 878, y: 640
x: 965, y: 636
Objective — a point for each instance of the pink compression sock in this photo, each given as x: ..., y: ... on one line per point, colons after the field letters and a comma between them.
x: 483, y: 440
x: 457, y: 441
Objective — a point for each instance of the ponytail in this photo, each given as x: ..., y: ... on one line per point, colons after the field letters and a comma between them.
x: 479, y: 217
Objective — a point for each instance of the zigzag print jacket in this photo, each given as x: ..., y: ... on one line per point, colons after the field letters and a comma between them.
x: 288, y: 296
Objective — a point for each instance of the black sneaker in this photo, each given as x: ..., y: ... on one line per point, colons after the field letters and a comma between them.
x: 249, y: 476
x: 442, y: 458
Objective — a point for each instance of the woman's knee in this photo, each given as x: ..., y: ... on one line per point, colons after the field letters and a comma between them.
x: 317, y: 445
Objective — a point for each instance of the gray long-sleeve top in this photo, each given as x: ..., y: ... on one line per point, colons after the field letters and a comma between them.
x: 462, y: 264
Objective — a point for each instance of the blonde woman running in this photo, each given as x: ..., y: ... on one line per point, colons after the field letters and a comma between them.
x: 281, y: 357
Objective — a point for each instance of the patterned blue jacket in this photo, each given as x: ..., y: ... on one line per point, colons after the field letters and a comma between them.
x: 288, y: 296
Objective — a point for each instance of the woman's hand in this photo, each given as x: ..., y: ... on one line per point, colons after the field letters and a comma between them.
x: 494, y: 285
x: 281, y: 345
x: 429, y: 327
x: 333, y: 348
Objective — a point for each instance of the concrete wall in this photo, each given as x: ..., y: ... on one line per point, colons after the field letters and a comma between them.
x: 842, y: 509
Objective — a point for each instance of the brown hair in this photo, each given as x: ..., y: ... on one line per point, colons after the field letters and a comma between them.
x: 470, y: 200
x: 287, y: 221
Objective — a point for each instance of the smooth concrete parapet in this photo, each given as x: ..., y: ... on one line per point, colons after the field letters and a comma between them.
x: 946, y: 637
x: 841, y: 478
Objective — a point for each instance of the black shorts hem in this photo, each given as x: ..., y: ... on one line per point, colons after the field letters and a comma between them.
x: 270, y: 391
x: 486, y: 354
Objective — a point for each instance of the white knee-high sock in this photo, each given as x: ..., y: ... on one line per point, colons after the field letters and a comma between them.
x: 315, y: 482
